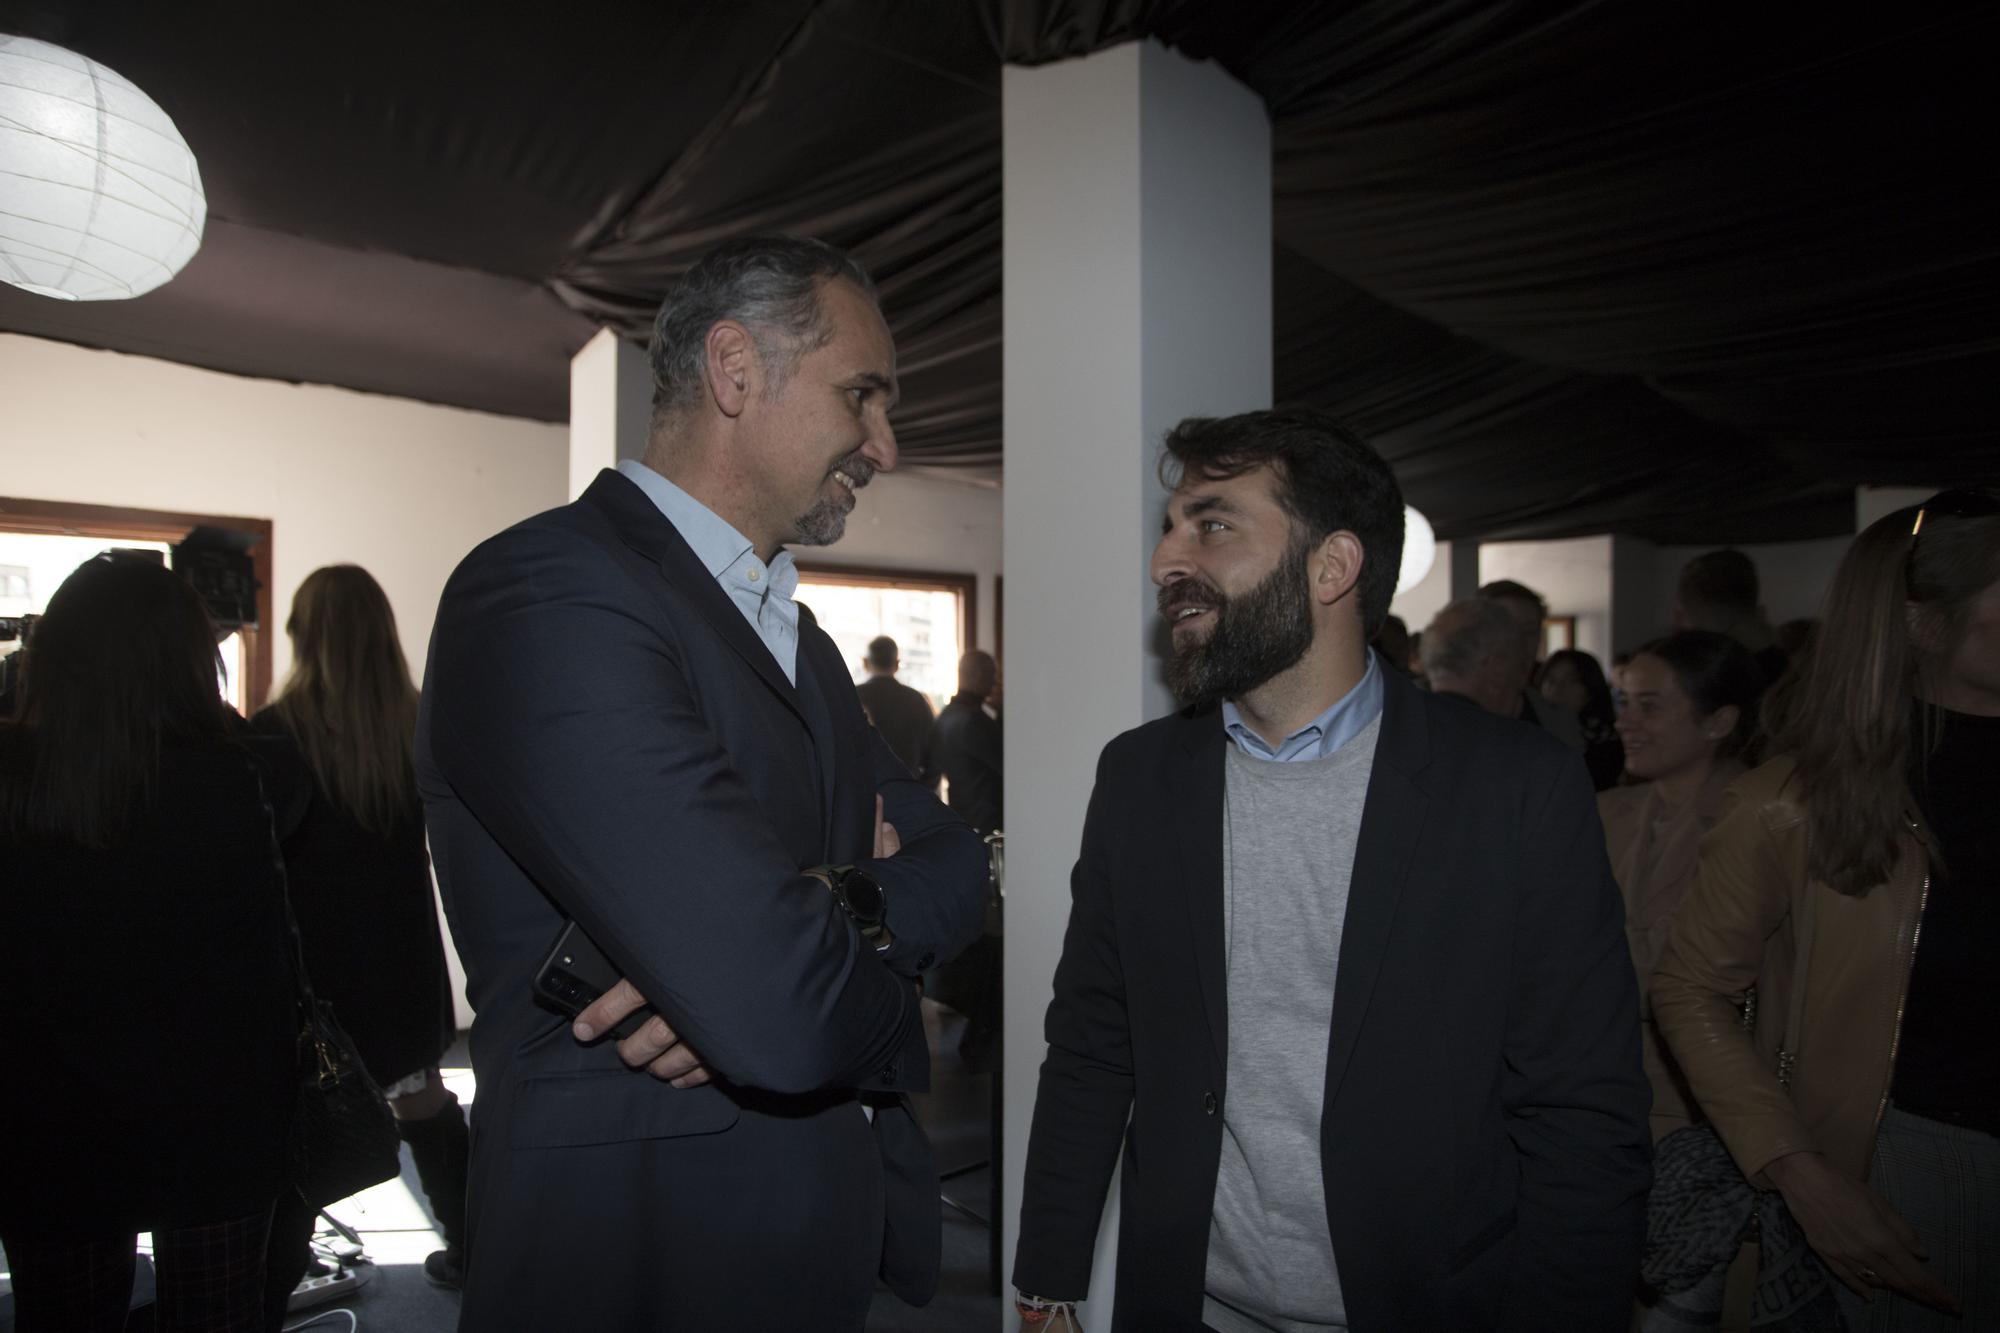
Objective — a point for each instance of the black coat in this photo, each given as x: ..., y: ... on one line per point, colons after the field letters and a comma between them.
x: 1483, y: 1137
x: 147, y: 1023
x: 605, y: 737
x: 965, y: 749
x: 366, y: 916
x: 901, y: 714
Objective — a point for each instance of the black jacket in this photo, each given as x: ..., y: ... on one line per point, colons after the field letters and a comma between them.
x: 147, y: 1022
x: 964, y: 749
x: 603, y: 736
x: 1483, y: 1136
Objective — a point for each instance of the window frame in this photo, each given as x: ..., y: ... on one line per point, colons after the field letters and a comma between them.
x: 61, y: 518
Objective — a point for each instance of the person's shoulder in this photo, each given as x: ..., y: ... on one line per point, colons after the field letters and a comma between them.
x: 1617, y: 804
x: 1772, y: 790
x: 1462, y: 731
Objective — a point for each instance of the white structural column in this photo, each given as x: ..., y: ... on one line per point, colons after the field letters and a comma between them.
x: 1137, y: 292
x: 610, y: 401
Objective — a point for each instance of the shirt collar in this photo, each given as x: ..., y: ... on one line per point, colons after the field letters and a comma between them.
x: 723, y: 551
x: 1347, y: 718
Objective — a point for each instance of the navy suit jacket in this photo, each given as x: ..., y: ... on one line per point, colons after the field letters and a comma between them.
x: 1483, y: 1135
x: 604, y: 737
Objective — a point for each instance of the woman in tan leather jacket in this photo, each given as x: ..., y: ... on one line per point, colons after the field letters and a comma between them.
x: 1689, y: 711
x: 1869, y: 856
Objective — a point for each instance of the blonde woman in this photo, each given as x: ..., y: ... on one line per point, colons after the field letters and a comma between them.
x: 361, y: 887
x: 1868, y: 854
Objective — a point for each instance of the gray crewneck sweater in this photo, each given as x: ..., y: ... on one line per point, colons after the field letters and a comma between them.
x: 1289, y: 836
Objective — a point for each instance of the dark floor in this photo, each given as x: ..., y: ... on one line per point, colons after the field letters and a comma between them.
x: 397, y: 1228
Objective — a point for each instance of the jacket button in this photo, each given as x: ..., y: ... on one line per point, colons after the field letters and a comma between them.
x: 1208, y: 1103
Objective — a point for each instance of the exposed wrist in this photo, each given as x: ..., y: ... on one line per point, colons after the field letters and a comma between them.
x: 1791, y: 1169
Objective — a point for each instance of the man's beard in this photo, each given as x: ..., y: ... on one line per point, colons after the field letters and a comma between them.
x: 823, y: 524
x: 1255, y: 636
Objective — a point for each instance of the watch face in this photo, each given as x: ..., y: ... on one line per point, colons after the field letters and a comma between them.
x: 864, y: 896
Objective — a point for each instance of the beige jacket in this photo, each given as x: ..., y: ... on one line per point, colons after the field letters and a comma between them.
x: 1739, y: 927
x: 1654, y: 854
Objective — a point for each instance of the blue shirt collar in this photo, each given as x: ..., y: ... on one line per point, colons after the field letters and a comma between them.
x: 714, y: 541
x: 1347, y: 718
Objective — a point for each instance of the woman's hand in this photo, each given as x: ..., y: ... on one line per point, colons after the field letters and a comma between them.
x: 1863, y: 1241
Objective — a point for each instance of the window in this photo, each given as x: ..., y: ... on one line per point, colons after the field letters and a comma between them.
x: 47, y: 540
x: 929, y: 615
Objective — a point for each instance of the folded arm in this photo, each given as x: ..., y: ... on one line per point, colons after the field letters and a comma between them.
x: 568, y: 727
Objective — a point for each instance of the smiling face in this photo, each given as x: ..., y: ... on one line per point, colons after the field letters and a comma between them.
x: 1663, y: 733
x: 1233, y: 583
x: 823, y: 431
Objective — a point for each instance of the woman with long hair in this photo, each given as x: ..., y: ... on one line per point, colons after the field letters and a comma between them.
x: 1689, y: 714
x: 148, y: 1023
x: 361, y: 885
x: 1571, y: 679
x: 1855, y: 881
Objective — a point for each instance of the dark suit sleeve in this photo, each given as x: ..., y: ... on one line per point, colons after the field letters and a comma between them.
x: 1085, y: 1094
x: 1575, y: 1093
x: 567, y: 725
x: 935, y: 885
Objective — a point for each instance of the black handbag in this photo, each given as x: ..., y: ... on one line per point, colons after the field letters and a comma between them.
x: 343, y: 1134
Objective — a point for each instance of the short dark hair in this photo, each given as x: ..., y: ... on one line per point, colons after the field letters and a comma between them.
x: 1329, y: 480
x: 882, y: 652
x: 770, y: 284
x: 1725, y: 580
x: 1714, y: 671
x: 1506, y: 590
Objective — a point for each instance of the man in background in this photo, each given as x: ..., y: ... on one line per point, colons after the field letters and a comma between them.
x: 1472, y: 651
x: 1718, y: 591
x: 1529, y: 611
x: 964, y: 746
x: 901, y: 714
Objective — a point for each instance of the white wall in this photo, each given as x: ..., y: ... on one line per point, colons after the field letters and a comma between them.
x: 1420, y: 605
x: 403, y: 488
x: 929, y: 521
x: 1792, y: 579
x: 1573, y: 577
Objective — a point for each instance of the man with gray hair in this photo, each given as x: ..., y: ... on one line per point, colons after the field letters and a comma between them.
x: 629, y: 723
x: 1472, y: 650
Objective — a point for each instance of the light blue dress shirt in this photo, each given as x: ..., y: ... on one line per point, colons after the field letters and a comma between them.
x: 763, y: 593
x: 1348, y: 718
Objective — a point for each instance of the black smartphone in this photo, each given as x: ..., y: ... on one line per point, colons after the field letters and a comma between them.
x: 577, y: 972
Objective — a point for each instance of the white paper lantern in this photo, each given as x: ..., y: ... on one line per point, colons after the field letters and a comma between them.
x: 1420, y: 550
x: 99, y: 196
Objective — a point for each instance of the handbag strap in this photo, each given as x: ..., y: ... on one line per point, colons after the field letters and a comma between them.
x: 308, y: 1003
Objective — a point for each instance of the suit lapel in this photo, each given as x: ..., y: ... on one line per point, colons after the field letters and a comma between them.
x: 1195, y: 796
x: 646, y: 530
x: 1392, y: 825
x: 820, y: 672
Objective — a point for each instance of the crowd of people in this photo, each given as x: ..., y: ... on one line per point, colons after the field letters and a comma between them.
x: 1423, y: 986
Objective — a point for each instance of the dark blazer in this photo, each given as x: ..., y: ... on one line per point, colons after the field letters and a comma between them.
x: 1483, y: 1138
x: 964, y: 748
x: 901, y: 714
x: 604, y: 737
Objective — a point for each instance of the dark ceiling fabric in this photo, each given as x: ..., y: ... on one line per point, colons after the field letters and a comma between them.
x: 1689, y: 273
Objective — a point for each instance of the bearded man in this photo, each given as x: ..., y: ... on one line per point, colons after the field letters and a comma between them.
x: 1345, y: 969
